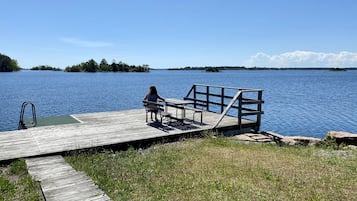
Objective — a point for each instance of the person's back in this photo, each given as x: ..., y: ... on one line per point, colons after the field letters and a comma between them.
x: 152, y: 97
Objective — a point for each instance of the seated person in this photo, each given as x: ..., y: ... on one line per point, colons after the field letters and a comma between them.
x: 153, y: 96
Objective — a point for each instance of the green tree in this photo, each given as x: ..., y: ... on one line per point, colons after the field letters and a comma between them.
x: 7, y: 64
x: 91, y: 66
x: 104, y: 66
x: 74, y: 68
x: 123, y: 67
x: 115, y: 67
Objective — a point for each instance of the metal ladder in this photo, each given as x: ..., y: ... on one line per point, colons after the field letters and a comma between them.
x: 34, y: 120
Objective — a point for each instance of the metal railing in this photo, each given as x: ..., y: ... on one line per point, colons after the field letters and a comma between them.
x: 231, y: 101
x: 22, y: 124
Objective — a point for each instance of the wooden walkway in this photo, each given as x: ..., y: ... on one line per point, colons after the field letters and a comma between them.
x: 95, y: 130
x: 59, y: 181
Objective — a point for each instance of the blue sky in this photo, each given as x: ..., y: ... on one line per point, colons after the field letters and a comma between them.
x: 168, y: 33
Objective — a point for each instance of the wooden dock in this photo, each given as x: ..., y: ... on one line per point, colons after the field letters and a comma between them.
x: 59, y: 181
x: 99, y: 129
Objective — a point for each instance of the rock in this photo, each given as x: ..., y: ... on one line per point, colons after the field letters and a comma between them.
x: 343, y: 137
x: 300, y: 140
x: 252, y: 137
x: 292, y: 140
x: 273, y: 135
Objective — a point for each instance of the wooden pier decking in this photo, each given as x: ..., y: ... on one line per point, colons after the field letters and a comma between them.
x: 96, y: 130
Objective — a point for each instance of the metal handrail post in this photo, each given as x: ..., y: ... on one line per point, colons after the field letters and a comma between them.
x: 207, y: 97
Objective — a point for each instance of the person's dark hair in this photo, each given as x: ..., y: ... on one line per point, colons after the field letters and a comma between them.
x: 153, y: 90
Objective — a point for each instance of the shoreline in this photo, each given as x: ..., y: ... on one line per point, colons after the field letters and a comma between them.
x: 332, y: 69
x: 221, y: 68
x: 332, y: 137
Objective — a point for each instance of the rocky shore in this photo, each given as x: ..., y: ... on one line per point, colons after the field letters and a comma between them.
x: 338, y: 137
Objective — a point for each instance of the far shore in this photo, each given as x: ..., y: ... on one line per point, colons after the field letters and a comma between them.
x: 230, y: 68
x: 261, y: 68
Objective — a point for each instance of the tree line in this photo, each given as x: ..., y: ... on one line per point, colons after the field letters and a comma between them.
x: 46, y: 67
x: 92, y: 66
x: 7, y: 64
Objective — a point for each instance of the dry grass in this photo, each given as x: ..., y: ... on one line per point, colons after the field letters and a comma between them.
x: 222, y: 169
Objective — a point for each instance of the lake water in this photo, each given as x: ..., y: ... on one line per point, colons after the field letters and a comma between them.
x: 297, y: 102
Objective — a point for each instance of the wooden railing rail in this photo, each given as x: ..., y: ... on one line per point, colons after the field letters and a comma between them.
x: 220, y: 99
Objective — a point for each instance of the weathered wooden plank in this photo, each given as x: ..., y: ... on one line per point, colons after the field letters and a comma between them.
x: 59, y: 181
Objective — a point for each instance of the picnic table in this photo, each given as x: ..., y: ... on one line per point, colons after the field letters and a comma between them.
x: 181, y: 105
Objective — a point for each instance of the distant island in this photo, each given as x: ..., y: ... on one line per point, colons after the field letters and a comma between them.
x: 337, y: 69
x: 93, y: 66
x: 212, y: 69
x: 46, y: 67
x: 220, y: 68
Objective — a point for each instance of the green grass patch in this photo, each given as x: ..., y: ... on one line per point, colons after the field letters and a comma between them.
x: 17, y: 184
x: 222, y: 169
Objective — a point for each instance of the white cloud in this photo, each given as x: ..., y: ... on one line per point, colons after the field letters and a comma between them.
x: 85, y: 43
x: 304, y: 59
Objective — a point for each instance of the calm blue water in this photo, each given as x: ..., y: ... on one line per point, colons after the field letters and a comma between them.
x: 297, y: 102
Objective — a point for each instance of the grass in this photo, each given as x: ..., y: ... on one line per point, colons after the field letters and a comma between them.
x: 222, y: 169
x: 17, y: 184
